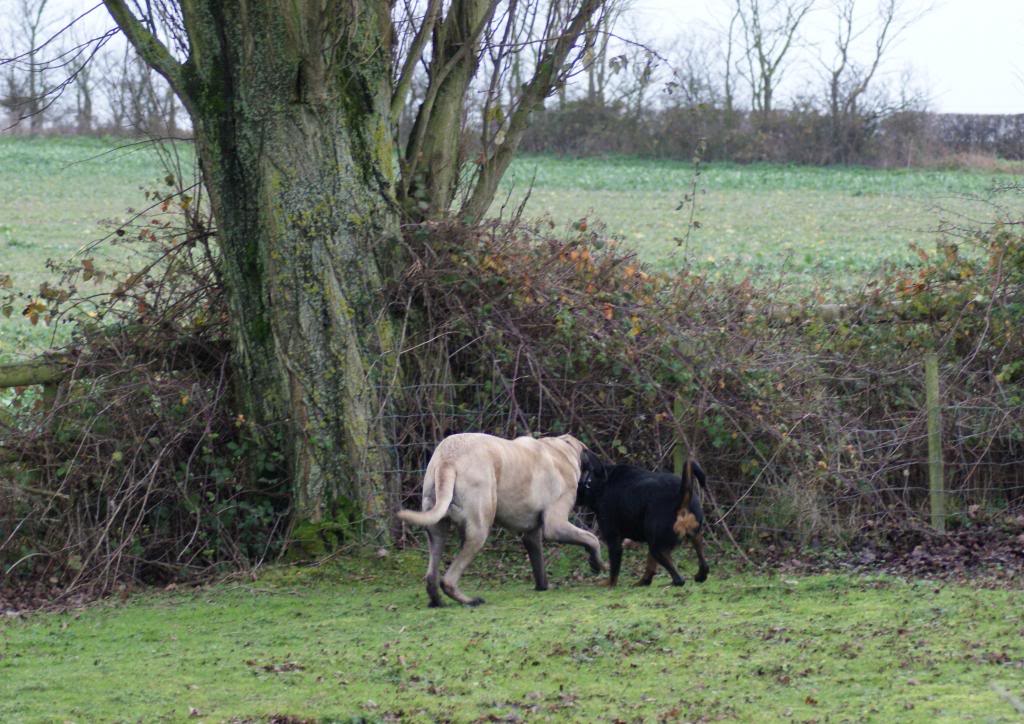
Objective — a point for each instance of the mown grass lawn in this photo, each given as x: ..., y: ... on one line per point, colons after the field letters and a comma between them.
x: 353, y: 639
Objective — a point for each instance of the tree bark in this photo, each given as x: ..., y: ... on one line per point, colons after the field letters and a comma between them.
x: 434, y: 153
x: 290, y: 106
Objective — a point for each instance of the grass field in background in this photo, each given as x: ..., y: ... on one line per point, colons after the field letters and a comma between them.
x: 353, y: 640
x: 799, y: 226
x: 58, y: 195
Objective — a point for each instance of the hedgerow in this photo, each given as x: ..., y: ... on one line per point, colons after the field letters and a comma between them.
x: 809, y: 417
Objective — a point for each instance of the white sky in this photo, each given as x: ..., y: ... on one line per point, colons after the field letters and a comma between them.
x: 967, y: 54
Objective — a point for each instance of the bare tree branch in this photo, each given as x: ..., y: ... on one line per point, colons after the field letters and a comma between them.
x: 415, y: 52
x: 148, y: 46
x: 549, y: 72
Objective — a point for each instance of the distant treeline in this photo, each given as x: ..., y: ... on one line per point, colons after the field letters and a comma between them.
x: 803, y: 136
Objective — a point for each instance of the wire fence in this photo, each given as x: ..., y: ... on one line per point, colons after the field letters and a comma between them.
x: 882, y: 472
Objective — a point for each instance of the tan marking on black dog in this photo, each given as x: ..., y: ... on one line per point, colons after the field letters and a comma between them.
x: 686, y: 523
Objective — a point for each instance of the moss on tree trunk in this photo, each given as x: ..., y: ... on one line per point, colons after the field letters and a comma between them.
x: 289, y: 102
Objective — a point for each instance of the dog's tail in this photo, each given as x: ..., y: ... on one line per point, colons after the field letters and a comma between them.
x: 444, y: 490
x: 698, y: 472
x: 687, y: 486
x: 691, y: 471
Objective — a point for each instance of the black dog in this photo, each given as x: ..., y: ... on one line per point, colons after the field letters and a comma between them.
x: 657, y: 508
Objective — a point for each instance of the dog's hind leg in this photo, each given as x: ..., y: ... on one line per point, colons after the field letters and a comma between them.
x: 476, y: 526
x: 614, y: 561
x: 697, y: 539
x: 664, y: 558
x: 532, y: 541
x: 437, y: 535
x: 649, y: 570
x: 562, y: 531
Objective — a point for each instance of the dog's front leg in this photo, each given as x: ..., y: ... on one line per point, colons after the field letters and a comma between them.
x: 562, y: 531
x: 532, y: 541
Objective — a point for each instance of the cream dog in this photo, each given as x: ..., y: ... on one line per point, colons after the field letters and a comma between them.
x: 526, y: 485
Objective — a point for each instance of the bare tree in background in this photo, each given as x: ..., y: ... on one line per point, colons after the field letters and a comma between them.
x: 851, y: 108
x: 81, y: 69
x: 635, y: 70
x: 112, y: 87
x: 150, y: 104
x: 599, y: 37
x: 697, y: 79
x: 728, y: 84
x: 26, y: 78
x: 770, y: 29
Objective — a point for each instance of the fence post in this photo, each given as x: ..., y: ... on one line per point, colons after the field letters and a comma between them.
x: 935, y: 483
x: 678, y: 454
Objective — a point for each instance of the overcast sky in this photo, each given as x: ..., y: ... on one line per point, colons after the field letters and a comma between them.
x: 968, y: 54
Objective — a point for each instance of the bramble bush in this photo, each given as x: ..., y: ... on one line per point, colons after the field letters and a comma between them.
x: 810, y: 416
x: 137, y: 465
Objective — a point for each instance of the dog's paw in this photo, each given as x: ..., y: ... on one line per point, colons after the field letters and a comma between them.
x: 701, y: 576
x: 643, y: 582
x: 597, y: 566
x: 541, y: 588
x: 474, y: 602
x: 680, y: 582
x: 435, y: 604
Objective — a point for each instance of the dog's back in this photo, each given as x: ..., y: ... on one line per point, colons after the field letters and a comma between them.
x: 640, y: 505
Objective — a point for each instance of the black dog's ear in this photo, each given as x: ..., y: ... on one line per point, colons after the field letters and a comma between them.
x: 590, y: 463
x: 591, y: 468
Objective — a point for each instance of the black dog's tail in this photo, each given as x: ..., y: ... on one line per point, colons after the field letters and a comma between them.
x: 698, y: 472
x: 687, y: 486
x: 688, y: 520
x: 691, y: 470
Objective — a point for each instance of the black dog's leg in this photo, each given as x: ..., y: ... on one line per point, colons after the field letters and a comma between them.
x: 698, y: 546
x: 532, y: 542
x: 614, y: 560
x: 663, y: 558
x: 649, y: 571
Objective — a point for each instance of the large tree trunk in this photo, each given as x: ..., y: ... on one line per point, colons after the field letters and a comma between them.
x: 299, y: 167
x: 289, y: 103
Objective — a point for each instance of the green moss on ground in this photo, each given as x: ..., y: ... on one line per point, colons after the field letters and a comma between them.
x: 354, y: 639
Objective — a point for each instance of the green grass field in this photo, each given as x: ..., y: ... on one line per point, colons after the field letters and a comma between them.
x: 782, y: 225
x: 58, y: 195
x: 804, y: 226
x: 353, y: 641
